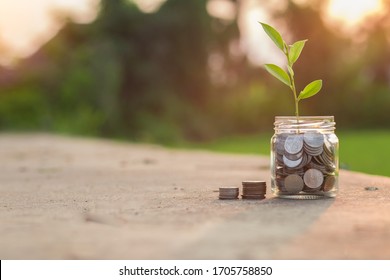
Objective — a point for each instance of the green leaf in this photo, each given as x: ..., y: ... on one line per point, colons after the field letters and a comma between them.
x: 278, y: 73
x: 295, y: 51
x: 311, y: 89
x: 274, y: 35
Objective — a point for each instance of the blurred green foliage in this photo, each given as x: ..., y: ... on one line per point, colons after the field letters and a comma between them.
x: 359, y: 150
x: 176, y: 74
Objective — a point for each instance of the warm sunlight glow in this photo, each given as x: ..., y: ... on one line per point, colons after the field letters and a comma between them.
x: 221, y: 9
x: 353, y: 12
x: 255, y: 43
x: 26, y: 24
x: 149, y: 6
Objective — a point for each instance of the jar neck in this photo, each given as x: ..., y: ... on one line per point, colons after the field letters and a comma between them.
x: 292, y: 124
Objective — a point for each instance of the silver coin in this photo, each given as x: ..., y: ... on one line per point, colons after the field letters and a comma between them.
x: 294, y: 157
x: 291, y: 163
x: 313, y: 151
x: 314, y: 139
x: 310, y: 148
x: 313, y: 178
x: 294, y: 144
x: 293, y: 183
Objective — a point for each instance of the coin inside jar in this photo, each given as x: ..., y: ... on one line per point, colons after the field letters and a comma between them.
x: 329, y: 183
x: 291, y: 163
x: 313, y: 178
x: 279, y: 143
x: 293, y: 183
x: 314, y: 139
x: 294, y: 144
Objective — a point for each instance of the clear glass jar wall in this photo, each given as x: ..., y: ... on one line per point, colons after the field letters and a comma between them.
x: 304, y: 157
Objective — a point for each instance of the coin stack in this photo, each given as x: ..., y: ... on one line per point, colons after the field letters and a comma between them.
x: 228, y: 193
x: 253, y: 189
x: 304, y: 162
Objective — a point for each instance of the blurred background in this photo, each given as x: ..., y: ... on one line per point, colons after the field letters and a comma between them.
x: 189, y: 73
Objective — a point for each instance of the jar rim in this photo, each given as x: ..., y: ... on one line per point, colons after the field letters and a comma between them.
x: 304, y: 117
x: 325, y: 124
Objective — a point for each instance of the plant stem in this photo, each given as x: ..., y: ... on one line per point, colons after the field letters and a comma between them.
x: 295, y: 100
x: 293, y: 88
x: 295, y: 97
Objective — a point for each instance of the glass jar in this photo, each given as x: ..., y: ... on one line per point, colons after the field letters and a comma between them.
x: 304, y: 157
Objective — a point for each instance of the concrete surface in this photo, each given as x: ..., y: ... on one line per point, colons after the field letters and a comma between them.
x: 72, y: 198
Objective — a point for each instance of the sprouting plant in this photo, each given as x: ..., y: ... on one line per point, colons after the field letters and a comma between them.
x: 292, y: 53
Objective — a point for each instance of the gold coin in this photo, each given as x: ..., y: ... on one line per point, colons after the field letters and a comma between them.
x: 330, y: 182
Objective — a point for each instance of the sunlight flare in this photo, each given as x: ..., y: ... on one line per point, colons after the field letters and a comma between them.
x: 353, y: 12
